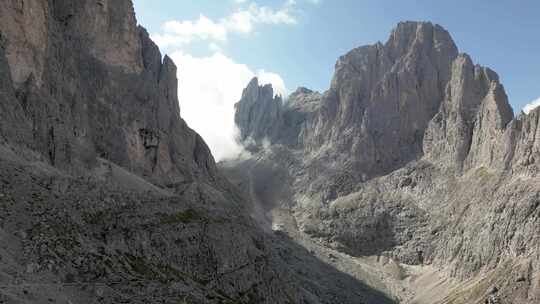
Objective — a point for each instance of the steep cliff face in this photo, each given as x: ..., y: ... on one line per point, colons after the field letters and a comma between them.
x: 474, y: 110
x: 523, y: 141
x: 385, y: 95
x: 91, y: 83
x: 259, y: 113
x: 413, y: 154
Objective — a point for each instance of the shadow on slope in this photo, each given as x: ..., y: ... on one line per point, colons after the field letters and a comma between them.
x: 323, y: 282
x: 80, y: 239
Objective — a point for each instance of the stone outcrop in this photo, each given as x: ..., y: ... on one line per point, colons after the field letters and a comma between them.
x: 475, y: 107
x: 264, y: 118
x: 259, y: 113
x: 523, y: 141
x: 386, y: 94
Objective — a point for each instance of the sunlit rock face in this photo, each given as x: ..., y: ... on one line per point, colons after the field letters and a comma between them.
x: 413, y: 153
x: 381, y: 100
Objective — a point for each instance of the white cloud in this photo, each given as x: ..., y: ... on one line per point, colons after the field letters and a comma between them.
x: 531, y: 106
x: 209, y: 86
x: 204, y: 28
x: 240, y: 22
x: 177, y: 33
x: 266, y: 15
x: 243, y: 20
x: 208, y: 89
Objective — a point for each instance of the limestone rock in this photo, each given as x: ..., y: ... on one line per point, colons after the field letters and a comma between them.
x: 384, y: 94
x: 265, y: 119
x: 487, y: 147
x: 258, y: 113
x: 472, y: 97
x: 414, y: 154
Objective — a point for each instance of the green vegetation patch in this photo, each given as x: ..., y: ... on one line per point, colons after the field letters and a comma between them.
x: 185, y: 217
x: 155, y: 272
x: 142, y: 267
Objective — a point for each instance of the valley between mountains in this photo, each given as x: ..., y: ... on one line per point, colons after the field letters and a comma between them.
x: 410, y: 180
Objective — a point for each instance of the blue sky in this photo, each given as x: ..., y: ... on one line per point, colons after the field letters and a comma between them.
x: 298, y: 41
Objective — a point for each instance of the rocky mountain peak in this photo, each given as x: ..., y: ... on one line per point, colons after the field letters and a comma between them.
x: 425, y: 36
x: 414, y: 154
x: 302, y: 90
x: 254, y: 91
x: 499, y: 106
x: 258, y: 113
x: 304, y: 100
x: 386, y: 94
x: 475, y: 107
x: 391, y: 103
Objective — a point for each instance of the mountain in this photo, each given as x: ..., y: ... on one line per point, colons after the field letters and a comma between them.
x: 106, y: 195
x: 410, y: 180
x: 412, y: 166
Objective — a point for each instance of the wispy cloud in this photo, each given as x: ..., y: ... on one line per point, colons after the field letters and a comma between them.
x: 531, y: 106
x: 243, y: 20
